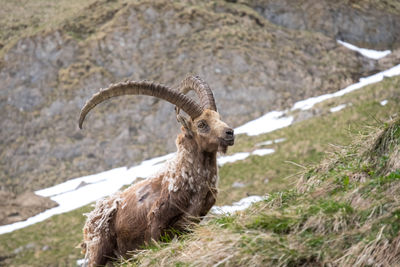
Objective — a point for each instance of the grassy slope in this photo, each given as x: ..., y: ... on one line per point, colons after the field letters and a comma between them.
x: 52, y: 242
x: 21, y: 18
x: 306, y: 141
x: 343, y: 212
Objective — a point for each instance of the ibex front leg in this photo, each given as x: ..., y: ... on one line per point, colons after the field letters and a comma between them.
x: 161, y: 216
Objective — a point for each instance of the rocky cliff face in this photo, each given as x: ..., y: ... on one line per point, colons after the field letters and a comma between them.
x: 374, y: 24
x: 252, y: 64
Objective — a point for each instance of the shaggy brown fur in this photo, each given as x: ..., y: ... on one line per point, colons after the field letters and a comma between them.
x: 181, y: 193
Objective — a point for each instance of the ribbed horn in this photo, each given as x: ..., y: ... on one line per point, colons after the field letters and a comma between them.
x: 142, y: 88
x: 202, y: 90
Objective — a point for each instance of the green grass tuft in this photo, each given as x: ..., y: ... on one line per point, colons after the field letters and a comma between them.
x: 276, y: 224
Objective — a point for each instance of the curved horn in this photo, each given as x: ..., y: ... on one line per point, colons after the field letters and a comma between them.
x: 142, y: 88
x: 202, y: 90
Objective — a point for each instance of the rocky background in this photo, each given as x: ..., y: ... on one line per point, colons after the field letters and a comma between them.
x: 257, y: 56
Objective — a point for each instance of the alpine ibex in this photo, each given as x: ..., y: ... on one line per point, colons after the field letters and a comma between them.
x: 179, y: 194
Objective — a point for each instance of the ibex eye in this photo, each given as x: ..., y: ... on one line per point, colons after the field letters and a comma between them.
x: 201, y: 124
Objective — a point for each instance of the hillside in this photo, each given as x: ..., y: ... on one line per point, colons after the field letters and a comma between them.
x: 258, y: 57
x: 52, y: 242
x: 54, y: 57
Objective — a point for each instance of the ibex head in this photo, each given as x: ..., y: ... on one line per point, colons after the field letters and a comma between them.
x: 204, y: 126
x: 209, y: 131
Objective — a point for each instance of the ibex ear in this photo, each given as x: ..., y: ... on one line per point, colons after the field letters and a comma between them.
x: 185, y: 123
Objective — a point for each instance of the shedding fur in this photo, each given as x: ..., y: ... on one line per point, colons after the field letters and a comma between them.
x: 178, y: 195
x: 97, y: 228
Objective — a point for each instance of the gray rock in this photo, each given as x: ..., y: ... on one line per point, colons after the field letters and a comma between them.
x: 18, y: 250
x: 358, y: 24
x: 30, y: 246
x: 302, y: 115
x: 56, y: 108
x: 25, y: 99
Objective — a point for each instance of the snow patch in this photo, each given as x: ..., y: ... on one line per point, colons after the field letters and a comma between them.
x: 232, y: 158
x: 270, y: 142
x: 269, y: 122
x: 337, y: 108
x: 242, y: 204
x: 243, y: 155
x: 70, y: 196
x: 309, y: 103
x: 263, y: 151
x: 374, y: 54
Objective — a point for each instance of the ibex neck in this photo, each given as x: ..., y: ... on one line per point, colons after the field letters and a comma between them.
x: 208, y: 159
x: 192, y: 169
x: 192, y: 153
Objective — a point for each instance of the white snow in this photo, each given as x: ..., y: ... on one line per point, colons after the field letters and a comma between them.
x: 265, y: 143
x: 374, y: 54
x: 263, y: 151
x: 270, y: 142
x: 69, y: 195
x: 73, y: 184
x: 309, y: 103
x: 242, y: 204
x: 232, y: 158
x: 269, y: 122
x: 337, y: 108
x: 81, y: 262
x: 119, y: 176
x: 243, y: 155
x: 383, y: 102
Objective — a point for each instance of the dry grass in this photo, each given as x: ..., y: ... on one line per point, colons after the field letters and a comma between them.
x: 23, y: 17
x: 378, y: 252
x: 207, y: 246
